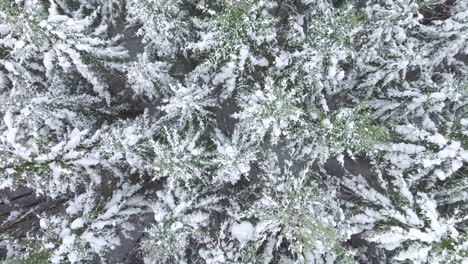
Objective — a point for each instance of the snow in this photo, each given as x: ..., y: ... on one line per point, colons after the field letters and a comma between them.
x: 98, y: 225
x: 340, y: 159
x: 391, y: 239
x: 10, y: 67
x: 10, y: 134
x: 43, y: 223
x: 243, y: 231
x: 4, y: 29
x: 96, y: 243
x: 19, y: 44
x: 130, y: 137
x: 49, y: 246
x: 227, y: 76
x: 243, y: 55
x: 464, y: 121
x: 224, y: 121
x: 49, y: 58
x: 429, y: 163
x: 77, y: 223
x: 414, y: 252
x: 437, y: 139
x: 408, y: 148
x: 76, y: 205
x: 75, y: 138
x: 55, y: 259
x: 281, y: 61
x: 447, y: 153
x: 198, y: 218
x: 413, y: 219
x: 456, y: 165
x: 68, y: 240
x: 440, y: 174
x: 8, y: 119
x: 86, y: 162
x: 403, y: 161
x: 262, y: 62
x: 40, y: 100
x: 438, y: 96
x: 72, y: 257
x: 332, y: 72
x: 464, y: 155
x: 340, y: 76
x: 400, y: 35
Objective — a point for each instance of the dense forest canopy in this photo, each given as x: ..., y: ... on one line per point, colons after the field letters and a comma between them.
x: 233, y: 131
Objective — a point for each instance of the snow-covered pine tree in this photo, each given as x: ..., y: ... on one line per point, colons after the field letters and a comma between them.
x: 275, y: 131
x: 413, y: 79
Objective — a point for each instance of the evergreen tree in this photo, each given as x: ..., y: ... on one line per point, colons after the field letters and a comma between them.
x: 234, y: 131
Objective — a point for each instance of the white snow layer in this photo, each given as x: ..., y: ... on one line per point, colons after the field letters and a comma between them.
x: 244, y: 231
